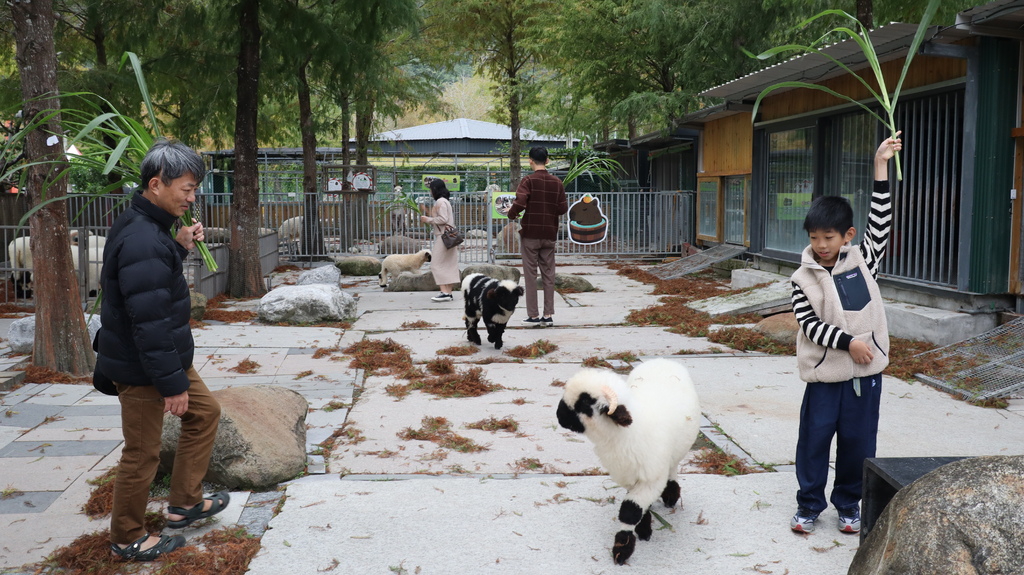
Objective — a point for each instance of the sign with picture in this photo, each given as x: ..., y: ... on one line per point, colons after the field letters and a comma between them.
x: 501, y: 202
x: 587, y: 222
x: 451, y: 181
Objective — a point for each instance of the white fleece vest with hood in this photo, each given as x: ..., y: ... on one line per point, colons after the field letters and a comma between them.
x: 849, y: 299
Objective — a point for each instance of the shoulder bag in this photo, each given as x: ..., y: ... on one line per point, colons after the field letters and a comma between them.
x: 451, y: 236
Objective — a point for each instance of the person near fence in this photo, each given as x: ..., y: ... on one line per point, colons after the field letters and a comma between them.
x: 542, y: 197
x: 444, y: 262
x: 145, y: 349
x: 841, y: 348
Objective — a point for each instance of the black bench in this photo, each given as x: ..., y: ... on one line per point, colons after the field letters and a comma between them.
x: 884, y: 476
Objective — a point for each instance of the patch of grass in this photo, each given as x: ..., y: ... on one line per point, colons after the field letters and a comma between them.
x: 438, y: 430
x: 8, y: 492
x: 539, y: 348
x: 717, y: 462
x: 245, y: 366
x: 379, y: 356
x: 419, y: 324
x: 101, y: 499
x: 493, y: 425
x: 459, y: 350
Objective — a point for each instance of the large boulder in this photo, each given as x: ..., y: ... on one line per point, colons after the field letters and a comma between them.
x: 198, y: 305
x: 328, y: 274
x: 407, y: 281
x: 963, y: 518
x: 21, y: 335
x: 306, y: 304
x: 261, y: 437
x: 358, y: 266
x: 781, y: 327
x: 569, y: 283
x: 400, y: 245
x: 493, y: 271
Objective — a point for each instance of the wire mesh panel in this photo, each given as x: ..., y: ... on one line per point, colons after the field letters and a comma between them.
x: 987, y: 366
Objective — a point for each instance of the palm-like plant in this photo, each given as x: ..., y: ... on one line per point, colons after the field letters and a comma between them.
x: 90, y: 128
x: 859, y: 34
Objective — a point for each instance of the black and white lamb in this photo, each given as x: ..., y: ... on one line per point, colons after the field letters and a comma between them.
x: 641, y: 427
x: 493, y: 301
x: 398, y: 263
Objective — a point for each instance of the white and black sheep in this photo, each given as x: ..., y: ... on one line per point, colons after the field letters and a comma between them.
x: 398, y: 263
x: 19, y: 257
x: 491, y: 300
x: 641, y: 428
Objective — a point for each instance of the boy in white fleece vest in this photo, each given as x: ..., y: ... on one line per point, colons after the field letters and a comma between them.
x: 841, y: 348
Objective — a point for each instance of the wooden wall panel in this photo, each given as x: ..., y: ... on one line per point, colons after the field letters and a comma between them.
x: 924, y: 71
x: 728, y: 146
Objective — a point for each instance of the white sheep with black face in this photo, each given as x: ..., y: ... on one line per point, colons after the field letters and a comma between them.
x: 641, y: 428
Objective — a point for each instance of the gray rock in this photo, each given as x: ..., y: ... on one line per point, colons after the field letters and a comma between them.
x: 198, y: 305
x: 569, y: 282
x: 476, y: 234
x: 21, y: 335
x: 407, y: 281
x: 306, y: 304
x: 963, y: 518
x: 328, y: 274
x: 493, y: 271
x: 400, y: 245
x: 261, y: 437
x: 781, y: 327
x: 358, y: 266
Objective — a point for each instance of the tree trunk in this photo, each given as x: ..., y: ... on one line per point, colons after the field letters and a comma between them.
x: 245, y: 278
x: 61, y: 338
x: 865, y: 13
x: 312, y: 235
x: 364, y: 123
x: 515, y: 149
x: 346, y: 131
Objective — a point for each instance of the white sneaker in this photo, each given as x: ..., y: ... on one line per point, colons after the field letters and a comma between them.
x: 849, y: 520
x: 443, y: 297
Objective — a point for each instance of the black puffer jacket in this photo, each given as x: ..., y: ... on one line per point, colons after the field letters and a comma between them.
x: 146, y: 338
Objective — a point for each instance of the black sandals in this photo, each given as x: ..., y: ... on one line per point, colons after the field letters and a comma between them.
x: 195, y: 513
x: 134, y: 552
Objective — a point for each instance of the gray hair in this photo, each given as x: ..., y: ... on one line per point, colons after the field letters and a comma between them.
x: 169, y: 160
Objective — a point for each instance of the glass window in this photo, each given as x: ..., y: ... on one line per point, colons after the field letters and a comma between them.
x: 853, y: 144
x: 790, y: 185
x: 737, y: 194
x: 707, y: 208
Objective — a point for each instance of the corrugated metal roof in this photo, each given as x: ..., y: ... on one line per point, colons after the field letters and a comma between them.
x: 1001, y: 18
x: 890, y: 42
x: 461, y: 128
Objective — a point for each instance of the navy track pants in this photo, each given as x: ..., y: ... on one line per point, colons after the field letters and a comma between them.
x: 835, y: 409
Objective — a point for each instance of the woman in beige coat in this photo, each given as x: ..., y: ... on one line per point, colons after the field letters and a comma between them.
x: 444, y: 262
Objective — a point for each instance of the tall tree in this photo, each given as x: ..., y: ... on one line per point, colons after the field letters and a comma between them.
x: 61, y: 338
x: 504, y: 39
x: 245, y: 276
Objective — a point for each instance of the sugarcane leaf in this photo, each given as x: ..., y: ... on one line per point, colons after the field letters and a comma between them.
x: 115, y: 155
x: 809, y: 86
x: 141, y: 80
x: 922, y: 28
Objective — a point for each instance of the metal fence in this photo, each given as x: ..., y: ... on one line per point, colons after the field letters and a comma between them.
x: 638, y: 223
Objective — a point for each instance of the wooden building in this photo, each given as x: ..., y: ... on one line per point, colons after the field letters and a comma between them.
x: 957, y: 211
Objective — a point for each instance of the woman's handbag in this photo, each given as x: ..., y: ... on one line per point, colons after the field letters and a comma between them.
x: 451, y: 236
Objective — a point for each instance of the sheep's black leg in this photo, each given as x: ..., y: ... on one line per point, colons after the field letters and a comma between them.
x: 471, y: 332
x: 644, y: 529
x: 670, y: 496
x: 494, y: 333
x: 630, y: 514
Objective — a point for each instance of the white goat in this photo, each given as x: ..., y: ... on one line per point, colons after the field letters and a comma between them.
x: 398, y: 263
x: 290, y: 232
x: 19, y: 257
x: 641, y: 427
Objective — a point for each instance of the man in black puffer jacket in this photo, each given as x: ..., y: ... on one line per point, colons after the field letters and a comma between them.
x: 145, y: 347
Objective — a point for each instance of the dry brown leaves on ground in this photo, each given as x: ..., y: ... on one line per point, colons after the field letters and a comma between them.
x: 720, y: 463
x: 459, y: 350
x: 438, y: 430
x: 36, y: 374
x: 321, y: 352
x: 101, y: 500
x: 493, y: 424
x: 534, y: 350
x: 379, y: 356
x: 469, y: 383
x: 219, y: 552
x: 245, y: 366
x: 418, y: 324
x: 286, y: 268
x: 15, y: 310
x: 229, y: 316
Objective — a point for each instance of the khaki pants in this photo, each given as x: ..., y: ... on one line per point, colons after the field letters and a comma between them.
x: 142, y: 422
x: 539, y: 253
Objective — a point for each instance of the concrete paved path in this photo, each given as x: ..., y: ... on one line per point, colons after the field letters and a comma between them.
x: 528, y: 503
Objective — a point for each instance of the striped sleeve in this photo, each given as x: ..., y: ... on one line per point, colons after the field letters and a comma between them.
x: 817, y: 331
x: 879, y: 225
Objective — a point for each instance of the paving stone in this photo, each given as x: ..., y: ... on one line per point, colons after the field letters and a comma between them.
x: 57, y: 448
x: 86, y: 422
x: 27, y: 415
x: 43, y: 473
x: 22, y: 393
x: 28, y: 501
x: 87, y: 410
x: 9, y: 434
x: 259, y: 510
x: 62, y: 394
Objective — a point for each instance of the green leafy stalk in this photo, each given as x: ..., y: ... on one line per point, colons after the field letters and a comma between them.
x: 602, y: 167
x: 861, y: 36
